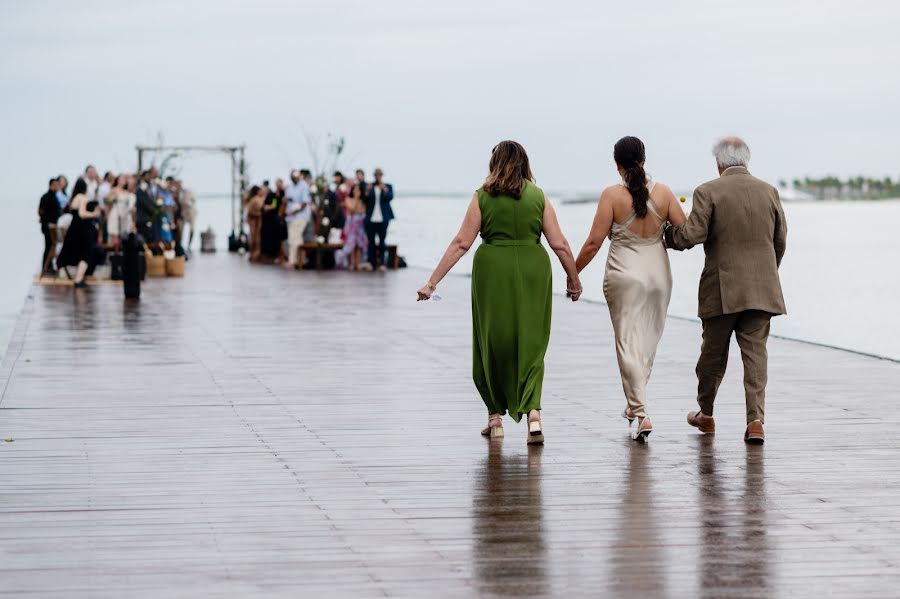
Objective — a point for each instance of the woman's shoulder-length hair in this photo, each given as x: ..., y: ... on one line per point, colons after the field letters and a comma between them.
x: 509, y: 170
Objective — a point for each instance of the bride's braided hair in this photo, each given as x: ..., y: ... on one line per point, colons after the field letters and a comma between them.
x: 629, y: 154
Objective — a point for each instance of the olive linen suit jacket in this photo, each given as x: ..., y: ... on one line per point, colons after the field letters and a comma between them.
x: 740, y: 222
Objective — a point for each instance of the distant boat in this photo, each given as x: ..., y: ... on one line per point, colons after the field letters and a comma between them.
x: 579, y: 199
x: 792, y: 194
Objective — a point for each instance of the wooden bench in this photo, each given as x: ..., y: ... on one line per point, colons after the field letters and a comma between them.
x: 319, y: 250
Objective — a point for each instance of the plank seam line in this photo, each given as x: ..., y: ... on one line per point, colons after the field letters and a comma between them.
x: 291, y: 415
x: 260, y: 438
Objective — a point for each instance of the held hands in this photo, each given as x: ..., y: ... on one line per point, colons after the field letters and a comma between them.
x: 573, y: 288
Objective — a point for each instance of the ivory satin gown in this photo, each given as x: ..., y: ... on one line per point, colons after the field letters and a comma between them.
x: 637, y: 287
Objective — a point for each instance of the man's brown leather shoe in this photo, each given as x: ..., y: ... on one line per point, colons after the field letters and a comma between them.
x: 705, y: 423
x: 754, y: 433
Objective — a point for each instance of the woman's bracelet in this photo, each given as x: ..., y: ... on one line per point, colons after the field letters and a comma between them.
x: 431, y: 285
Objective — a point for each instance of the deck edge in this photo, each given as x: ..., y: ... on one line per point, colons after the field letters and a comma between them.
x: 16, y: 344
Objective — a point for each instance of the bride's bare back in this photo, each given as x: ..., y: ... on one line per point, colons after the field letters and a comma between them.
x: 663, y: 201
x: 616, y: 206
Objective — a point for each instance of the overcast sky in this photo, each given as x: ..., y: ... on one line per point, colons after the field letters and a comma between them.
x: 424, y: 89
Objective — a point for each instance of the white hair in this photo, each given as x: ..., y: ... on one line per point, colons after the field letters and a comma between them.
x: 731, y: 151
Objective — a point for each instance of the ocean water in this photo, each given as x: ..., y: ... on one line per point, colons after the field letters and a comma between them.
x: 840, y: 273
x: 21, y: 248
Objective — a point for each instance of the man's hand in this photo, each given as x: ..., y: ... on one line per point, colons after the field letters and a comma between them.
x: 667, y: 237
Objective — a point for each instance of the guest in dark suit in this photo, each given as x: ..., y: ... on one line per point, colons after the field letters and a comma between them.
x: 333, y: 207
x: 272, y: 224
x: 145, y: 206
x: 361, y: 183
x: 49, y: 212
x: 379, y: 214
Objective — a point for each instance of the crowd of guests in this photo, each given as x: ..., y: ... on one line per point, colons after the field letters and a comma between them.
x: 351, y: 216
x: 100, y: 213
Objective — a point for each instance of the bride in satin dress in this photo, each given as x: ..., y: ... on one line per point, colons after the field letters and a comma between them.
x: 638, y: 280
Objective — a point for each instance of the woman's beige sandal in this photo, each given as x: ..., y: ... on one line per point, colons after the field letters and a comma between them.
x: 494, y: 429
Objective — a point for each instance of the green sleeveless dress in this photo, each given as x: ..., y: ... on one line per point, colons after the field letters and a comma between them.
x: 511, y: 295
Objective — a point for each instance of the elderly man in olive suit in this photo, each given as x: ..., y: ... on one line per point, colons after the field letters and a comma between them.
x: 740, y: 222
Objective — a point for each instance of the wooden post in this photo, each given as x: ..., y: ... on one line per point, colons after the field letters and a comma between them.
x: 242, y: 181
x: 233, y: 202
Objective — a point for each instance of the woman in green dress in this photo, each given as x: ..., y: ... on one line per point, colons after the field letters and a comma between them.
x: 511, y: 287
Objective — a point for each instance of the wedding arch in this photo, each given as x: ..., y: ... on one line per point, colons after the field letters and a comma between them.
x: 238, y: 178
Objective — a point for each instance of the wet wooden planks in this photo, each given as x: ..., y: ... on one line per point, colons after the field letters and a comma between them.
x: 250, y: 431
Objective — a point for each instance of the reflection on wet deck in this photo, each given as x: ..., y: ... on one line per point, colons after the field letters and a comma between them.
x: 251, y: 432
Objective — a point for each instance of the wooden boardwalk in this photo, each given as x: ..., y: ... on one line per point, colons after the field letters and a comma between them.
x: 251, y: 432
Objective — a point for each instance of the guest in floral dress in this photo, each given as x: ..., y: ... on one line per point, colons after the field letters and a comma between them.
x: 355, y: 239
